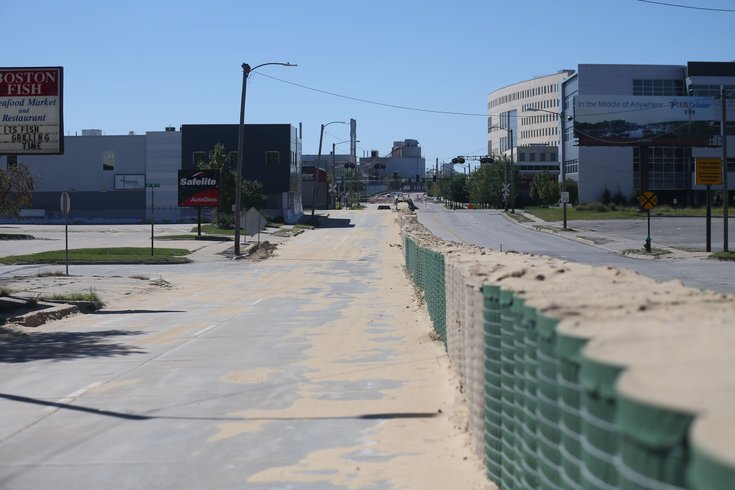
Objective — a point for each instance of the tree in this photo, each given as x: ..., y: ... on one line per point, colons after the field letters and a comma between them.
x: 544, y: 189
x: 487, y: 184
x: 458, y: 189
x: 219, y: 162
x: 16, y: 187
x: 488, y: 179
x: 252, y: 194
x: 573, y: 190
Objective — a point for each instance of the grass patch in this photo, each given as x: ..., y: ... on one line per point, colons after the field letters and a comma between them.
x: 600, y: 211
x: 211, y: 229
x: 212, y: 238
x: 655, y: 252
x: 584, y: 213
x: 6, y: 291
x: 722, y: 256
x: 140, y: 277
x: 121, y: 255
x: 56, y: 273
x: 90, y: 296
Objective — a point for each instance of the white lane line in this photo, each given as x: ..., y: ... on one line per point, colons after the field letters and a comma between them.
x: 339, y: 243
x: 256, y: 302
x: 204, y: 330
x: 71, y: 397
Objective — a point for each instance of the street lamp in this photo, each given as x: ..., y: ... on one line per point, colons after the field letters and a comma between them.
x: 318, y: 161
x: 246, y: 71
x: 559, y: 115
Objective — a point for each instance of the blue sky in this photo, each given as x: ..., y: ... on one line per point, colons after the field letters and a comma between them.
x: 140, y: 65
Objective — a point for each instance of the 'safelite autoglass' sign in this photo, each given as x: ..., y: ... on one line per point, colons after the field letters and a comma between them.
x: 31, y: 111
x: 198, y: 188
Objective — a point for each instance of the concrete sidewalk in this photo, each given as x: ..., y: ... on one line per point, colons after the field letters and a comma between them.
x: 673, y: 238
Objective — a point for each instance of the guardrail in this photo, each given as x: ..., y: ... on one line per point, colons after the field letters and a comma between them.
x: 582, y: 377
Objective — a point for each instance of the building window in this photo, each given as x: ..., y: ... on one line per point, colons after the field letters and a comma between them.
x: 668, y: 167
x: 531, y: 157
x: 108, y: 161
x: 521, y: 156
x: 272, y: 157
x: 710, y: 90
x: 658, y: 87
x: 542, y: 157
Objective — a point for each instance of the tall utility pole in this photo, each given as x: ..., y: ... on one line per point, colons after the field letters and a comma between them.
x: 725, y: 190
x: 334, y: 180
x: 246, y: 70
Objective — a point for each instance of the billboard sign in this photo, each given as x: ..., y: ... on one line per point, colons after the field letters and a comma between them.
x: 129, y: 182
x: 31, y: 111
x: 198, y: 188
x: 614, y: 120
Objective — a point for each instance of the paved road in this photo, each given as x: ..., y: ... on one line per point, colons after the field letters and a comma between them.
x: 596, y: 243
x: 313, y: 369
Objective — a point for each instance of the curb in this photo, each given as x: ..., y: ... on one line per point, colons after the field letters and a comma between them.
x: 50, y: 312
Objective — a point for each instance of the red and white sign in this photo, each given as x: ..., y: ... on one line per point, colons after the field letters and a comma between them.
x: 31, y: 111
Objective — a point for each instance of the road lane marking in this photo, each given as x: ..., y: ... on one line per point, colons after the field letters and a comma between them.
x: 205, y: 330
x: 339, y: 243
x: 256, y: 302
x: 71, y: 397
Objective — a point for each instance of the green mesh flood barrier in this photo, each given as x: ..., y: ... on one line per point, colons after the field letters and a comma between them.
x: 654, y: 450
x: 547, y: 411
x: 508, y: 438
x: 426, y: 268
x: 600, y: 433
x: 553, y: 419
x: 569, y: 351
x: 493, y: 373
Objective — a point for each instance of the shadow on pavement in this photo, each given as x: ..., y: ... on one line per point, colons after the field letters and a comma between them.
x: 134, y: 416
x: 130, y: 312
x: 327, y: 222
x: 18, y: 347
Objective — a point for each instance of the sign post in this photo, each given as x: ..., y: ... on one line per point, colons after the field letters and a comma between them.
x: 152, y: 187
x: 708, y: 172
x: 648, y: 201
x: 65, y: 206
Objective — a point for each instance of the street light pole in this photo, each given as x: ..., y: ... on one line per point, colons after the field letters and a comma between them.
x: 246, y: 71
x: 318, y: 161
x: 562, y: 163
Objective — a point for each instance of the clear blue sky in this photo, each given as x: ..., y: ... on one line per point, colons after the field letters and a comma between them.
x: 140, y: 65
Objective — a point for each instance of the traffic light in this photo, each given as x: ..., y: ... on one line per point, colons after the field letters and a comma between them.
x: 486, y: 160
x: 458, y: 160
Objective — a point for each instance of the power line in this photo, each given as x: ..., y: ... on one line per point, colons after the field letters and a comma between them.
x: 666, y: 4
x: 366, y: 101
